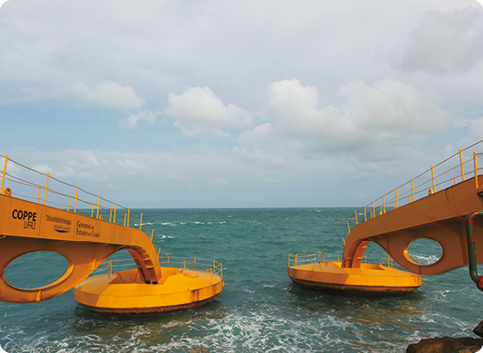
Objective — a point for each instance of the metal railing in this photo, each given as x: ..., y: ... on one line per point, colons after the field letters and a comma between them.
x: 50, y: 191
x: 318, y: 257
x: 427, y: 183
x: 188, y: 264
x: 193, y: 263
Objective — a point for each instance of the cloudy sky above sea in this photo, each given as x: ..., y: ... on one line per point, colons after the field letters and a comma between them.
x: 239, y: 103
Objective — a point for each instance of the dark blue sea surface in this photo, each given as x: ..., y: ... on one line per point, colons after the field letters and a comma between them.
x: 260, y: 309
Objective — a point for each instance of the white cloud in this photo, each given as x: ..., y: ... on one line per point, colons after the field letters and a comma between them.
x: 261, y: 146
x: 377, y: 121
x: 271, y: 181
x: 475, y: 134
x: 147, y: 116
x: 259, y: 137
x: 219, y: 181
x: 109, y: 95
x: 198, y: 111
x: 446, y: 42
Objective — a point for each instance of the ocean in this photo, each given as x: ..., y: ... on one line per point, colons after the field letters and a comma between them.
x: 260, y: 309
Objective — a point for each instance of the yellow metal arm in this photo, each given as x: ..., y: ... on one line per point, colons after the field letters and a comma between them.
x: 439, y: 217
x: 85, y: 242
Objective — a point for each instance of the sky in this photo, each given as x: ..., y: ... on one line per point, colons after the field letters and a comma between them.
x: 218, y: 104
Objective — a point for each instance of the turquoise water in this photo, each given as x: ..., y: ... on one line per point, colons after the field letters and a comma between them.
x: 260, y: 309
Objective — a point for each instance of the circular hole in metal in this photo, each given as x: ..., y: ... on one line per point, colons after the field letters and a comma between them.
x: 425, y: 251
x: 35, y: 270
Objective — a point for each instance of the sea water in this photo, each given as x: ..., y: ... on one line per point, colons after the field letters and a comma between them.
x: 260, y: 309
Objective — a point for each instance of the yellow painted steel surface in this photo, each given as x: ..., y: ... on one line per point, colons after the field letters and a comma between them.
x: 85, y: 242
x: 439, y: 216
x: 124, y: 294
x: 369, y: 279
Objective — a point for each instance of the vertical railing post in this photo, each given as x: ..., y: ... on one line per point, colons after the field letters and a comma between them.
x: 462, y: 169
x: 128, y: 215
x: 76, y: 196
x: 68, y: 204
x: 110, y: 215
x: 348, y: 226
x: 141, y: 221
x: 412, y: 189
x: 384, y: 203
x: 46, y: 188
x: 432, y: 175
x: 152, y: 235
x: 374, y: 209
x: 38, y: 194
x: 355, y: 213
x: 476, y: 169
x: 4, y: 173
x: 115, y: 209
x: 92, y: 209
x: 396, y: 203
x: 98, y: 203
x: 365, y: 214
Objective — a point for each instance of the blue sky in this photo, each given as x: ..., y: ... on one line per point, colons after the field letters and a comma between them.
x: 239, y: 104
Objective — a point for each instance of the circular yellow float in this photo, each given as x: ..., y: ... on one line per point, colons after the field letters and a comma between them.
x: 124, y: 294
x: 369, y: 280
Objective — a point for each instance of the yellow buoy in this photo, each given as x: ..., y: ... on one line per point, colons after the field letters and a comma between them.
x: 125, y: 294
x: 369, y: 280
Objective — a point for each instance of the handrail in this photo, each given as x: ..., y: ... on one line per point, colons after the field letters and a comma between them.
x: 318, y: 257
x: 56, y: 193
x: 425, y: 183
x: 193, y: 263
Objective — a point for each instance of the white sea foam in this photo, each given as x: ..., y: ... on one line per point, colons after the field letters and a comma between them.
x: 169, y: 224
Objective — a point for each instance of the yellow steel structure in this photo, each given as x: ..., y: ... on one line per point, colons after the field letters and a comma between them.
x: 125, y: 294
x: 448, y: 217
x: 86, y: 241
x: 440, y: 216
x: 367, y: 280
